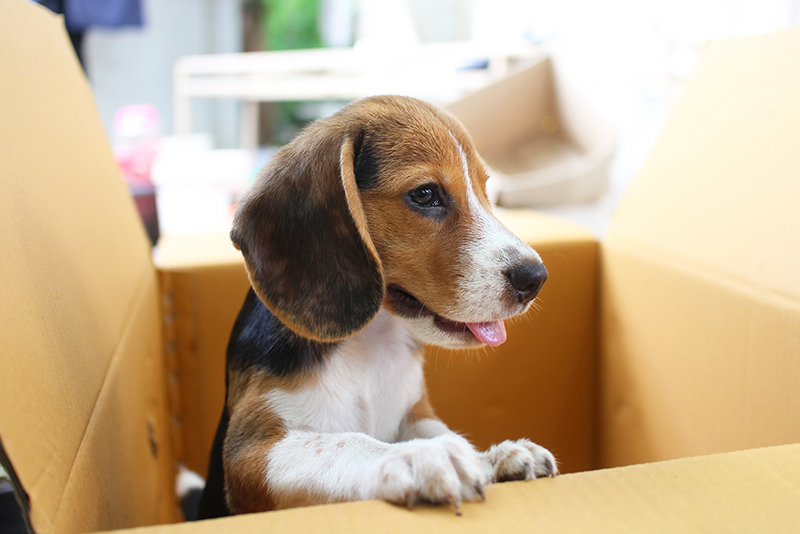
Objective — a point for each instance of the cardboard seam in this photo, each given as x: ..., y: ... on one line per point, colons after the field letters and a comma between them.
x: 597, y: 355
x: 138, y: 301
x: 171, y: 356
x: 644, y: 251
x: 186, y: 356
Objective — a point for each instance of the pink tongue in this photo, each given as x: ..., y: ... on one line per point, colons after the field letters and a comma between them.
x: 492, y: 333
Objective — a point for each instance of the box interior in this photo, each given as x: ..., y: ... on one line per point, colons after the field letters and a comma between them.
x: 544, y: 142
x: 105, y: 361
x: 700, y: 286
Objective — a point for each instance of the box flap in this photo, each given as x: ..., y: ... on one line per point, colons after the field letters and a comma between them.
x: 720, y: 189
x: 700, y: 286
x: 545, y: 144
x: 693, y: 363
x: 181, y: 252
x: 82, y: 417
x: 751, y: 491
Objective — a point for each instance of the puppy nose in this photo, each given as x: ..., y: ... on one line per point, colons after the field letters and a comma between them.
x: 527, y: 279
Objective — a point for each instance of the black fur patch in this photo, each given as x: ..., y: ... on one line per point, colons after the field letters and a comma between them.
x: 260, y: 341
x: 212, y: 502
x: 237, y: 240
x: 308, y: 260
x: 366, y: 166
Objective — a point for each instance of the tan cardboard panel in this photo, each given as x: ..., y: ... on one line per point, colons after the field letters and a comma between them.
x: 204, y: 282
x: 123, y: 474
x: 206, y: 302
x: 75, y: 272
x: 721, y: 187
x: 539, y: 229
x: 743, y: 492
x: 190, y: 251
x: 694, y: 362
x: 701, y: 293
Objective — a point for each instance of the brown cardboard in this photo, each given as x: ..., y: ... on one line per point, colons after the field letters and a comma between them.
x: 545, y: 144
x: 699, y: 323
x: 701, y: 284
x: 744, y: 492
x: 82, y: 412
x: 204, y: 284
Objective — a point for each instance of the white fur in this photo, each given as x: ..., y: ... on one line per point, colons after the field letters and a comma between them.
x: 310, y: 468
x: 367, y: 385
x: 425, y: 329
x: 423, y: 428
x: 187, y: 481
x: 441, y: 469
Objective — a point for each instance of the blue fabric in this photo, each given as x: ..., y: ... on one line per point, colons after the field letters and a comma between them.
x: 79, y: 15
x: 82, y: 14
x: 56, y: 6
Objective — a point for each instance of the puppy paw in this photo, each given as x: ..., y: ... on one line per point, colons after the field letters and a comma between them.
x: 520, y: 460
x: 445, y: 469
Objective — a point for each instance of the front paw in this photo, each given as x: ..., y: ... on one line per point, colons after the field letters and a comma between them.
x: 520, y: 460
x: 445, y: 469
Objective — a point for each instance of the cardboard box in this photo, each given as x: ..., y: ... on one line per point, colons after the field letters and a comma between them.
x: 545, y: 143
x: 692, y: 346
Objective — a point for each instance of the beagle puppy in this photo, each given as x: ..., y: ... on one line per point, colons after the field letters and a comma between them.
x: 365, y: 237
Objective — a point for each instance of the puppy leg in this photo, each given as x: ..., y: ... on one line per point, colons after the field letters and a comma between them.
x: 420, y: 423
x: 509, y: 460
x: 311, y: 468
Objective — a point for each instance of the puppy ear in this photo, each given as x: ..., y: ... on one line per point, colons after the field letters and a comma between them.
x: 305, y: 240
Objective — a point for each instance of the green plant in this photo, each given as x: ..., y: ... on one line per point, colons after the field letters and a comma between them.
x: 291, y: 24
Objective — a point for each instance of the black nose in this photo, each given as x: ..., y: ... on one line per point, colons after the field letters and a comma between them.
x: 527, y: 279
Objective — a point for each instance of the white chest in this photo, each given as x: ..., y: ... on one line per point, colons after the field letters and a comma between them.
x: 367, y: 385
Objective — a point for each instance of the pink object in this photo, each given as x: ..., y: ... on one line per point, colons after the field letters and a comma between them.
x: 492, y: 333
x: 136, y: 140
x: 137, y: 135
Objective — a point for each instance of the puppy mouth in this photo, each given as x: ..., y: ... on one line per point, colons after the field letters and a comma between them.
x: 404, y: 303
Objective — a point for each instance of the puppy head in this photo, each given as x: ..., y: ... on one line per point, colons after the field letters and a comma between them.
x: 384, y: 204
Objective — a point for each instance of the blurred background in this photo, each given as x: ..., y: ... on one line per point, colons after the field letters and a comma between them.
x: 195, y: 95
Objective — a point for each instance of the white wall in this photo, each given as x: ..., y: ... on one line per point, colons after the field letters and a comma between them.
x: 134, y: 66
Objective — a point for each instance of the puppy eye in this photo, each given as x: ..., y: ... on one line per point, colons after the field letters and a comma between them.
x: 425, y: 196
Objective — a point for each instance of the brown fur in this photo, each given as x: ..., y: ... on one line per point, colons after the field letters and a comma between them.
x: 253, y: 429
x: 421, y: 410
